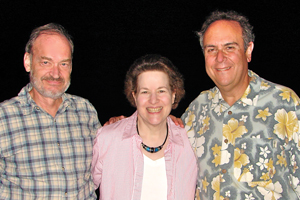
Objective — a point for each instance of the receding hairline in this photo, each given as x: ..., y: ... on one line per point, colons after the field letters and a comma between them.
x: 50, y: 32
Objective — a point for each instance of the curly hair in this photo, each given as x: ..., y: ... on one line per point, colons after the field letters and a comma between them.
x: 154, y: 62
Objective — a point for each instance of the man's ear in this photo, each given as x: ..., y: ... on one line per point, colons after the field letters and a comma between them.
x: 27, y: 62
x: 249, y: 51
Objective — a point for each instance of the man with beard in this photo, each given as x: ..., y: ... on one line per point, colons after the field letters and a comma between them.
x: 46, y: 135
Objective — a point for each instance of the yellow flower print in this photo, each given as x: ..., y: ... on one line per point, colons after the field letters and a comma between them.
x: 271, y: 191
x: 264, y: 85
x: 281, y: 160
x: 215, y: 185
x: 270, y: 167
x: 216, y: 149
x: 268, y: 189
x: 263, y: 114
x: 189, y: 120
x: 233, y: 130
x: 287, y: 124
x: 288, y: 94
x: 265, y: 176
x: 240, y: 159
x: 248, y: 90
x: 211, y: 94
x: 217, y: 160
x: 205, y: 126
x: 205, y: 184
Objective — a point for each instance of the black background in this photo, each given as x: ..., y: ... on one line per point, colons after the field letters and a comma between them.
x: 110, y: 35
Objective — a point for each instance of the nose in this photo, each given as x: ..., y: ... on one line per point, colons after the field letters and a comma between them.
x: 153, y: 98
x: 220, y: 56
x: 55, y: 71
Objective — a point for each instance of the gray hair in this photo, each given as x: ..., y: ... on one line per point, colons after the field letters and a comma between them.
x: 48, y: 28
x: 247, y: 34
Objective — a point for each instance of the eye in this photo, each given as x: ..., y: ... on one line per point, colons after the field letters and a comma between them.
x: 230, y: 48
x: 65, y: 64
x: 210, y: 50
x: 45, y: 63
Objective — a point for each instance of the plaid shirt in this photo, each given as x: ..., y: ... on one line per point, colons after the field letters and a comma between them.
x: 42, y: 157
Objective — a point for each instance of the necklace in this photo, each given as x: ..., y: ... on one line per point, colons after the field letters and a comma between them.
x: 152, y: 149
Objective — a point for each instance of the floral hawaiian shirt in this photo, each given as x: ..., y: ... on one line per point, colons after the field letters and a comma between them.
x: 250, y: 150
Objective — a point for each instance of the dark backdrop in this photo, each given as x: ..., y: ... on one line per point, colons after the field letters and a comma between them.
x: 110, y: 35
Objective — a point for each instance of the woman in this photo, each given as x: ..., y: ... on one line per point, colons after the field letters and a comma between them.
x: 146, y: 156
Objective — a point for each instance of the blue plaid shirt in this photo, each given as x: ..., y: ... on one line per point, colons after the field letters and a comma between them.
x: 42, y: 157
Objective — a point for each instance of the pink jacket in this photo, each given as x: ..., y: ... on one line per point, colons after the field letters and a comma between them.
x: 118, y: 162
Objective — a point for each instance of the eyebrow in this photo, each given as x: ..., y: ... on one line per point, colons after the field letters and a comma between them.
x: 65, y: 60
x: 226, y: 44
x: 46, y: 58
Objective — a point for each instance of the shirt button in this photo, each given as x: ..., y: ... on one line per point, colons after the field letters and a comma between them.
x: 58, y: 144
x: 226, y: 141
x: 229, y: 112
x: 63, y: 168
x: 66, y: 193
x: 224, y: 171
x: 37, y: 108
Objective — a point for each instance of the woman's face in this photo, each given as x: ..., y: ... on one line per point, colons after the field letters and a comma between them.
x: 153, y: 98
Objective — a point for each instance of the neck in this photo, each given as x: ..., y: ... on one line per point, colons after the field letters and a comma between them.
x: 232, y: 95
x: 48, y: 104
x: 147, y: 130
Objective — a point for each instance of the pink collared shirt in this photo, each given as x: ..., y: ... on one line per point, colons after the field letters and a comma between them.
x: 118, y: 162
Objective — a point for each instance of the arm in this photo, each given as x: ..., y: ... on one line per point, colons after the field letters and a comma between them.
x: 96, y: 163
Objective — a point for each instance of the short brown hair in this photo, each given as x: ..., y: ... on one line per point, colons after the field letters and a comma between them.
x: 247, y: 29
x: 154, y: 62
x: 48, y: 29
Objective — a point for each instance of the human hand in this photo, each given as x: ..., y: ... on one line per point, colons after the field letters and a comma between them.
x: 177, y: 121
x: 114, y: 119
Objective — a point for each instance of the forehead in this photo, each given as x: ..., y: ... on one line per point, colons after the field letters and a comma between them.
x: 153, y: 78
x: 223, y: 31
x: 51, y: 40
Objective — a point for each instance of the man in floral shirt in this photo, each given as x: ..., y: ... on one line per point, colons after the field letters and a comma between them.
x: 245, y: 131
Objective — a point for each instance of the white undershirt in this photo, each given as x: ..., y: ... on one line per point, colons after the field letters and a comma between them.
x: 154, y: 184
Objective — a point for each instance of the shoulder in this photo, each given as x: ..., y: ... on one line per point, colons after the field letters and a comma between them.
x: 10, y: 104
x: 116, y: 129
x: 79, y: 102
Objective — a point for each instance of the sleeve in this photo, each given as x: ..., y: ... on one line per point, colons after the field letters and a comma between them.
x: 294, y: 152
x: 96, y: 161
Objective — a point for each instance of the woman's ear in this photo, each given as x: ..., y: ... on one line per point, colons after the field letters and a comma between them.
x: 134, y: 97
x: 173, y: 97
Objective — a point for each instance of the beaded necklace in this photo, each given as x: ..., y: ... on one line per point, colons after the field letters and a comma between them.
x: 152, y: 149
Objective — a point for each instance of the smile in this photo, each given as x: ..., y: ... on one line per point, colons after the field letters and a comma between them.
x: 154, y: 110
x: 223, y: 69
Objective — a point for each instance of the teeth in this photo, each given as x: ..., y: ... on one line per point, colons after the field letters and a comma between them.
x: 154, y: 109
x: 223, y: 69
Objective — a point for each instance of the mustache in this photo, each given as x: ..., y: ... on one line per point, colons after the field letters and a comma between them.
x: 51, y: 78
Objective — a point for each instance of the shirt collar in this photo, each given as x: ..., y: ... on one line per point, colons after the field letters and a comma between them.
x: 28, y: 104
x: 249, y: 97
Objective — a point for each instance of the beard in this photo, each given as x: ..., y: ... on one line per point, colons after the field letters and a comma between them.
x: 37, y: 84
